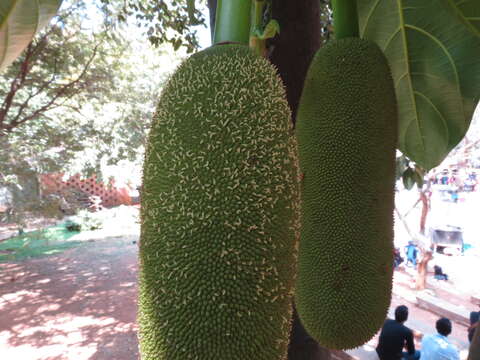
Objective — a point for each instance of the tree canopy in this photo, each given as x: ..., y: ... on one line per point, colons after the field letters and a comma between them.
x: 81, y: 95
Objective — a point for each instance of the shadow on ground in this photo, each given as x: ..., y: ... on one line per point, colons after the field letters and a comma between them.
x: 80, y: 304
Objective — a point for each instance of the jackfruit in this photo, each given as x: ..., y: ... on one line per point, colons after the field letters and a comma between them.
x: 347, y: 134
x: 220, y: 213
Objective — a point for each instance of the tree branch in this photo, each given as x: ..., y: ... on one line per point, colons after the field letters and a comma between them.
x: 16, y: 84
x: 51, y: 104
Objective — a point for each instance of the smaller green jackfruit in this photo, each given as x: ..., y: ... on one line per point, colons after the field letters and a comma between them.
x: 346, y: 128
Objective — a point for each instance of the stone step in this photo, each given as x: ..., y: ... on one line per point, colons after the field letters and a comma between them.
x: 340, y: 355
x: 443, y: 308
x: 405, y: 279
x: 475, y: 299
x: 362, y: 353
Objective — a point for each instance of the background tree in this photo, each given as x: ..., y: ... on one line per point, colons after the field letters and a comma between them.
x: 55, y: 67
x: 78, y: 97
x: 162, y: 21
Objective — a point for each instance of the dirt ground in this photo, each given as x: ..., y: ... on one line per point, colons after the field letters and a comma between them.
x: 77, y: 305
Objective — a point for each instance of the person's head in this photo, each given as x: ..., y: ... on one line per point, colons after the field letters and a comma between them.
x: 444, y: 326
x: 401, y: 313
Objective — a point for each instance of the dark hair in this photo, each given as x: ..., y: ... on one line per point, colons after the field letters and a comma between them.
x: 401, y: 313
x: 444, y: 326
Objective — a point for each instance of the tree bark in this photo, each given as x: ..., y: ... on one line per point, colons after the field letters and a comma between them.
x: 421, y: 281
x: 474, y: 351
x: 425, y: 207
x: 427, y: 254
x: 295, y: 46
x: 302, y: 346
x: 291, y: 52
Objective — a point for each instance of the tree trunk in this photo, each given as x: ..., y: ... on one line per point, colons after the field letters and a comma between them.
x: 292, y: 52
x: 427, y: 255
x: 421, y: 281
x: 302, y: 346
x: 474, y: 352
x: 425, y: 207
x: 295, y: 46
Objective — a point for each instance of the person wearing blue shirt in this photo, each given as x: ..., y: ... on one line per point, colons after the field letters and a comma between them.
x: 411, y: 251
x: 438, y: 347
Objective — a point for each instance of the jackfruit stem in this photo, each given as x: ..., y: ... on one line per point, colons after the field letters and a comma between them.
x: 257, y: 44
x: 345, y: 19
x: 232, y: 21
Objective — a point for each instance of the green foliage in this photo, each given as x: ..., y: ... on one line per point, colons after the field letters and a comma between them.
x: 220, y: 212
x: 409, y: 172
x: 346, y: 129
x: 271, y: 29
x: 20, y: 20
x: 326, y: 29
x: 433, y: 49
x: 57, y: 67
x: 162, y: 21
x: 49, y: 241
x: 84, y: 103
x: 85, y: 220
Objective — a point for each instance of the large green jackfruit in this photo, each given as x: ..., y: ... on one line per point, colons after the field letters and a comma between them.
x: 347, y: 134
x: 220, y: 213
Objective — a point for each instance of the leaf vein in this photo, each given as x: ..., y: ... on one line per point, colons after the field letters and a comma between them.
x: 390, y: 39
x: 449, y: 57
x: 430, y: 102
x: 372, y: 10
x: 462, y: 15
x: 408, y: 71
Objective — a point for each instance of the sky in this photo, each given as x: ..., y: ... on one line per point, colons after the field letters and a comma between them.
x: 95, y: 18
x: 204, y: 32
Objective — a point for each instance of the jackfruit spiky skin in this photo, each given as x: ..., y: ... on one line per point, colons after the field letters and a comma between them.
x: 347, y: 134
x: 220, y: 213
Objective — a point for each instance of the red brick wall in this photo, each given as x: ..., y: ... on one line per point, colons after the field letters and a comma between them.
x: 110, y: 195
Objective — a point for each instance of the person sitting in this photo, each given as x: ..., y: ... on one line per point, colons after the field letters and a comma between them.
x: 438, y: 347
x: 439, y: 274
x: 474, y: 321
x: 395, y: 336
x: 397, y: 258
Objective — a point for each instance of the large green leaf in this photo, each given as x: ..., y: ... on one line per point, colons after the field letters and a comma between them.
x: 433, y: 47
x: 19, y: 21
